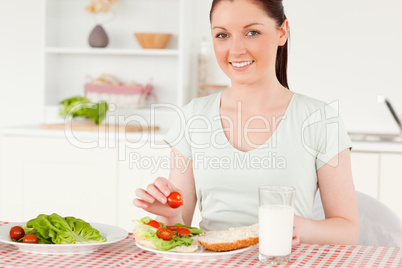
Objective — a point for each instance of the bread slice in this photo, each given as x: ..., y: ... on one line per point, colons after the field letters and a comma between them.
x: 234, y: 238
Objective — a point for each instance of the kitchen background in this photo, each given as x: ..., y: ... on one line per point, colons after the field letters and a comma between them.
x: 339, y: 50
x: 346, y: 51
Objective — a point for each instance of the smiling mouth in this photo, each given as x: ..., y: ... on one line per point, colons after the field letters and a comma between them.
x: 241, y: 64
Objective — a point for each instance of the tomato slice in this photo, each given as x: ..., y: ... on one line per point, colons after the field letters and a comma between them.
x: 173, y: 228
x: 32, y: 239
x: 174, y: 200
x: 164, y: 233
x: 154, y: 224
x: 183, y: 231
x: 17, y: 232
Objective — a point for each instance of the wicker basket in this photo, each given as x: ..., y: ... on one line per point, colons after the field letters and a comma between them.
x: 132, y: 97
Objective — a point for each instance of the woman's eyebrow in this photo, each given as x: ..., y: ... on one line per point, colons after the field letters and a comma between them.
x: 253, y: 24
x: 248, y: 25
x: 219, y: 27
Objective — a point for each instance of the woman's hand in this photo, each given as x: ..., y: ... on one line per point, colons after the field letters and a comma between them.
x: 295, y: 237
x: 154, y: 198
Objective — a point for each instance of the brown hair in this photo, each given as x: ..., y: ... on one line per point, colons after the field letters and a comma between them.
x: 275, y: 10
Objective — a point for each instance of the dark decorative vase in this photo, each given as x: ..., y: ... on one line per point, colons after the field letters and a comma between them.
x: 98, y: 37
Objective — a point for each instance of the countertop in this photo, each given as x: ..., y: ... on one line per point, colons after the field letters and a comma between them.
x: 36, y: 131
x: 376, y: 147
x: 370, y: 145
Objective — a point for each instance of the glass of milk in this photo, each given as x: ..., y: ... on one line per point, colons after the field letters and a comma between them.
x: 275, y: 217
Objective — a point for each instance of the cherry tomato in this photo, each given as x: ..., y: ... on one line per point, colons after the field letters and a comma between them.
x: 174, y: 200
x: 154, y: 224
x: 164, y: 233
x: 17, y: 232
x: 173, y: 228
x: 32, y: 239
x: 183, y: 231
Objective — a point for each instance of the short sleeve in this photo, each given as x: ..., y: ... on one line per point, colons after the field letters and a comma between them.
x: 176, y: 135
x: 332, y: 136
x: 324, y: 134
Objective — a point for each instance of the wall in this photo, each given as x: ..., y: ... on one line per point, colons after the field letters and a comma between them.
x: 342, y: 50
x: 21, y: 94
x: 203, y: 31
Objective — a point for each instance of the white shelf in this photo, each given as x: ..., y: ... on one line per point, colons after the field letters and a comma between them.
x: 69, y: 60
x: 112, y: 51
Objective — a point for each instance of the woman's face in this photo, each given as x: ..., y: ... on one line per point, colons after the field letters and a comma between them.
x: 245, y: 41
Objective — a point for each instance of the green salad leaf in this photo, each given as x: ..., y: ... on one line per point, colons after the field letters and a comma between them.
x: 142, y: 228
x: 83, y: 231
x: 194, y: 230
x: 54, y: 229
x: 97, y: 112
x: 78, y: 103
x: 82, y: 107
x: 172, y: 243
x: 145, y: 220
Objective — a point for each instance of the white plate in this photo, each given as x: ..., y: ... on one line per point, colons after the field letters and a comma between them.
x: 112, y: 234
x: 201, y: 254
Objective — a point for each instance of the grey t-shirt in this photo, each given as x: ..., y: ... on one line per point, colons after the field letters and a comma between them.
x: 309, y: 135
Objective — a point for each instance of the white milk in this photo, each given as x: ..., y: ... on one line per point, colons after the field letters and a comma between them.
x: 276, y: 230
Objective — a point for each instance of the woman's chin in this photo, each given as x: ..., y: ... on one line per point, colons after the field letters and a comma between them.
x: 242, y: 82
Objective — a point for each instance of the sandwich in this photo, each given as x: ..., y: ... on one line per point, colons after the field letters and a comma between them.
x: 152, y: 234
x: 185, y: 239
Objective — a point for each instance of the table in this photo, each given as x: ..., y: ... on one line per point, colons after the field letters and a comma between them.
x: 126, y: 254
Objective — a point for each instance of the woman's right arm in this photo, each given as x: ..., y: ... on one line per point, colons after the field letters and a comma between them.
x: 181, y: 179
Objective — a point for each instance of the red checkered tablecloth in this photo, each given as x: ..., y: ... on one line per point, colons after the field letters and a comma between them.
x: 126, y: 254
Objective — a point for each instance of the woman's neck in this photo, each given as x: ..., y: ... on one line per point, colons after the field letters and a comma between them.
x: 263, y: 95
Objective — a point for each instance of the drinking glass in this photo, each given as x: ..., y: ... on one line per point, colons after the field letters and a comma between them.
x: 275, y: 216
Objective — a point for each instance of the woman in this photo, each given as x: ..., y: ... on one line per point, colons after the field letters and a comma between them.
x: 256, y: 133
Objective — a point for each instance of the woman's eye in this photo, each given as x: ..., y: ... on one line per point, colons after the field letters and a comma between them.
x: 252, y: 33
x: 221, y: 35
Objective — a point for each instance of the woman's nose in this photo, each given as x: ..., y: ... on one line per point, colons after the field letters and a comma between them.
x: 238, y: 46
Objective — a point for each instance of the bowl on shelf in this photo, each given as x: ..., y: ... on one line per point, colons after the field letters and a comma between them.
x: 153, y: 40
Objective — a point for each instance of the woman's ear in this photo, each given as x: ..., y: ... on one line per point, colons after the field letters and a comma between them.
x: 283, y: 33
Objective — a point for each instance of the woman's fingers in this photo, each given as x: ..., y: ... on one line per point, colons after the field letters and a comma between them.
x: 144, y: 195
x: 163, y: 186
x: 159, y: 190
x: 156, y: 193
x: 139, y: 203
x: 154, y: 198
x: 295, y: 241
x: 295, y: 238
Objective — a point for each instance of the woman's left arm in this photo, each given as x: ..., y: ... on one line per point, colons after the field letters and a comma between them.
x: 341, y: 225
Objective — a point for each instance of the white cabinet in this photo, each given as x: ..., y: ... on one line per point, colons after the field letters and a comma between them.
x: 365, y: 171
x: 47, y: 175
x: 43, y: 175
x: 391, y: 181
x: 380, y: 176
x: 69, y: 59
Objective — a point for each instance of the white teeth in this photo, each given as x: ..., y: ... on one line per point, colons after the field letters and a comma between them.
x: 241, y: 64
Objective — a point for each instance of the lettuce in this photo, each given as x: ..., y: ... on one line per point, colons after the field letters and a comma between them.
x: 54, y: 229
x: 145, y: 220
x: 194, y: 230
x: 172, y: 243
x: 83, y: 231
x: 73, y: 102
x: 82, y: 107
x: 144, y: 229
x: 149, y: 232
